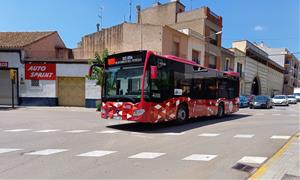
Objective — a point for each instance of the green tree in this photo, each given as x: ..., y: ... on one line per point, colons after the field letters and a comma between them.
x: 98, y: 72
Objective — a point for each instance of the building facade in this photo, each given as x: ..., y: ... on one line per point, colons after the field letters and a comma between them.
x: 202, y: 21
x: 196, y: 46
x: 166, y: 29
x: 129, y: 37
x: 45, y: 74
x: 259, y: 74
x: 289, y: 62
x: 227, y: 60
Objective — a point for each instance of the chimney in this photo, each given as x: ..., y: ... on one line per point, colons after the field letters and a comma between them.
x: 138, y: 13
x: 98, y: 27
x: 157, y: 3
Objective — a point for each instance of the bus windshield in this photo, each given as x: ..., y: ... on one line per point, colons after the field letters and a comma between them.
x: 123, y: 83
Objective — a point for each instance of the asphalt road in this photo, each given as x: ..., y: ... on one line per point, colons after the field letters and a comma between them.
x: 76, y: 143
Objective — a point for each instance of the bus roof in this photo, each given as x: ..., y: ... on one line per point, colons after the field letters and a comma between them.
x: 182, y: 60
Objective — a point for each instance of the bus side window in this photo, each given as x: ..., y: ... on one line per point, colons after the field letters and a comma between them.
x: 198, y: 88
x: 182, y: 79
x: 223, y: 91
x: 161, y: 86
x: 210, y: 88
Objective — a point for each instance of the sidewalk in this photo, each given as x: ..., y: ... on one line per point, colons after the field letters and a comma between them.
x: 284, y: 164
x: 49, y: 108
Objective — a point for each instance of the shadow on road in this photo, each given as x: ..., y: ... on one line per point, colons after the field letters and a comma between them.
x: 172, y: 127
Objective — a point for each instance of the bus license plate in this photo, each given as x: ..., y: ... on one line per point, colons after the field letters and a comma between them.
x: 117, y: 117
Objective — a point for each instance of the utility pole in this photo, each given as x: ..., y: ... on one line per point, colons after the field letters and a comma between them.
x: 191, y: 4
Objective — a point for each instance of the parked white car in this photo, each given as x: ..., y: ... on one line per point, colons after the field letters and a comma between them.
x: 280, y: 100
x: 292, y: 99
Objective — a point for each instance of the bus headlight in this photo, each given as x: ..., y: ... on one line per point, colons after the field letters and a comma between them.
x: 138, y: 112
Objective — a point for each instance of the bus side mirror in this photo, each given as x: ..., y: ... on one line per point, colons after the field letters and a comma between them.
x: 153, y: 72
x: 90, y: 71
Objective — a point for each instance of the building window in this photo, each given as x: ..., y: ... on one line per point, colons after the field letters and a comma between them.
x: 195, y: 56
x: 212, y: 62
x: 239, y: 68
x: 226, y: 65
x: 35, y: 83
x: 213, y: 37
x: 175, y: 49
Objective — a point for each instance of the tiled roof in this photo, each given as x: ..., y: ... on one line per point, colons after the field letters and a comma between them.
x: 21, y: 39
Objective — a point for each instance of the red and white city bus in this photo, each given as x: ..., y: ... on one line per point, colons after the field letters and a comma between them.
x: 144, y: 87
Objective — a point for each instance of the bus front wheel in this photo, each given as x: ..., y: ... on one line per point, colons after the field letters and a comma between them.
x: 182, y: 114
x: 220, y: 110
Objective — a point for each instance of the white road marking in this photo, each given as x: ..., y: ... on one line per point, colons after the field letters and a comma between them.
x: 259, y: 114
x: 293, y: 115
x: 200, y: 157
x: 244, y: 113
x: 280, y: 137
x: 47, y: 130
x: 142, y: 135
x: 96, y: 153
x: 147, y: 155
x: 276, y: 114
x: 77, y: 131
x: 108, y: 131
x: 46, y: 152
x: 174, y: 134
x: 252, y: 159
x: 17, y: 130
x: 208, y: 134
x: 244, y: 136
x: 6, y: 150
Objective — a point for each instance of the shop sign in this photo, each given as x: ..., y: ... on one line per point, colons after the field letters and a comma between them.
x: 40, y: 71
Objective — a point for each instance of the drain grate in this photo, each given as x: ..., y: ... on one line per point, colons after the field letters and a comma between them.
x: 244, y: 167
x: 290, y: 177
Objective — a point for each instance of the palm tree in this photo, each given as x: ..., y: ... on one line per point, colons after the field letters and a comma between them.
x: 98, y: 70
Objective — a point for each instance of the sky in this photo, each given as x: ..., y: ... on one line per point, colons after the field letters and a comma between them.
x: 274, y: 22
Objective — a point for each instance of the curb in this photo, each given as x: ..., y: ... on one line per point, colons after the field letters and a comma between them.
x: 265, y: 166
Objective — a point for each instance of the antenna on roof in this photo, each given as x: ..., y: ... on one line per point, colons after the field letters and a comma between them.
x: 130, y: 6
x: 101, y: 17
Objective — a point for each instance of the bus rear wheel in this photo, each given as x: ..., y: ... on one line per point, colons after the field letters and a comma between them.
x: 182, y: 114
x: 220, y: 113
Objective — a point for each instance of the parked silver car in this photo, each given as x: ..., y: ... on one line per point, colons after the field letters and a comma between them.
x: 280, y: 100
x: 292, y: 99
